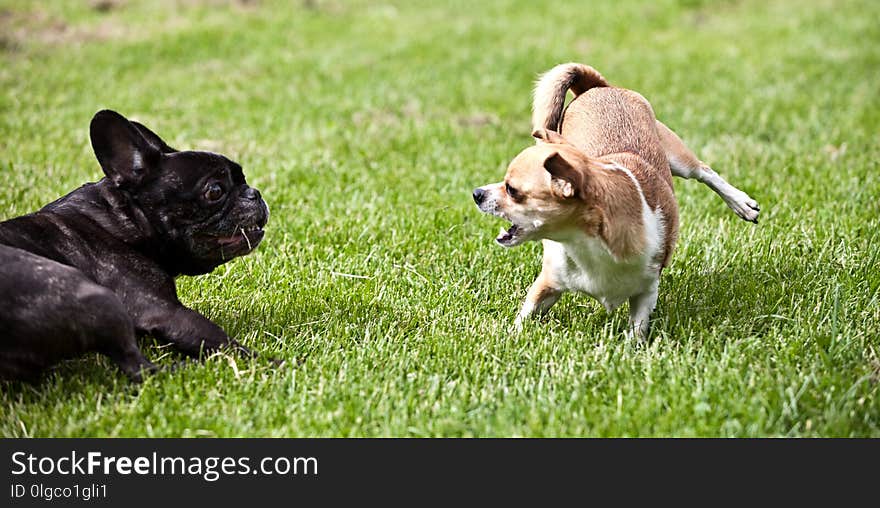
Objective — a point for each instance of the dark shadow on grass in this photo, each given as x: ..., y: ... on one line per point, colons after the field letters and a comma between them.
x: 739, y: 300
x: 93, y: 370
x: 90, y: 373
x: 287, y: 333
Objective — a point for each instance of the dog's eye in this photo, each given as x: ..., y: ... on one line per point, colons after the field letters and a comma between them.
x: 214, y: 192
x: 510, y: 190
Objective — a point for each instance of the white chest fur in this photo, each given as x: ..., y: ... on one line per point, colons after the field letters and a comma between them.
x: 585, y: 264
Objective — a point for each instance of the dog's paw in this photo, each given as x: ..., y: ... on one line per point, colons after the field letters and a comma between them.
x: 636, y: 334
x: 743, y: 205
x: 517, y: 326
x: 278, y: 363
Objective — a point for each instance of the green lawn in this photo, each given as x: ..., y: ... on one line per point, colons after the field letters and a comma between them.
x: 367, y: 125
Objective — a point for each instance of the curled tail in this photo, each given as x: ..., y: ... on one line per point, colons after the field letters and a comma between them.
x: 552, y: 86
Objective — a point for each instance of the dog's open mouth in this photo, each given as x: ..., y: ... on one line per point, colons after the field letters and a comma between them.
x: 509, y: 237
x: 247, y: 237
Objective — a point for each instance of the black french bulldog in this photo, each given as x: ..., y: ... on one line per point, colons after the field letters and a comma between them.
x: 95, y: 269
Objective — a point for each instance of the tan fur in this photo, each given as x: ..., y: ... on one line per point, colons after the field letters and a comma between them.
x: 658, y: 193
x: 617, y: 125
x: 610, y: 120
x: 676, y: 150
x: 597, y: 190
x: 593, y: 123
x: 606, y: 204
x: 541, y: 290
x: 552, y: 86
x: 620, y: 206
x: 598, y: 194
x: 610, y: 203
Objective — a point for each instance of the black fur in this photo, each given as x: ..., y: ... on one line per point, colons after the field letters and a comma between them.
x: 95, y: 269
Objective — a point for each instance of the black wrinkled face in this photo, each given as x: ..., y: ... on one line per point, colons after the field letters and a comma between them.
x: 197, y: 202
x: 204, y: 208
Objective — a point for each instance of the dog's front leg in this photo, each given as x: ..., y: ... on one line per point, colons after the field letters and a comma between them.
x: 640, y: 308
x: 684, y: 164
x: 189, y: 332
x: 541, y: 296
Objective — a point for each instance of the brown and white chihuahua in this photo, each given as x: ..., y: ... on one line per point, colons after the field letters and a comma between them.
x: 597, y: 191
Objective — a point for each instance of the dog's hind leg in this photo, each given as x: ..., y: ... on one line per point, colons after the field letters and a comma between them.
x: 685, y: 164
x: 114, y: 334
x: 50, y: 312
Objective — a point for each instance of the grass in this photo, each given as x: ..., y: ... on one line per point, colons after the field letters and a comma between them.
x: 367, y: 125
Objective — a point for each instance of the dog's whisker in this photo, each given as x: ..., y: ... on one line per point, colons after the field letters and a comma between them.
x: 248, y: 240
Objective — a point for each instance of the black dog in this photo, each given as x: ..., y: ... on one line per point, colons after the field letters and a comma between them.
x: 96, y: 268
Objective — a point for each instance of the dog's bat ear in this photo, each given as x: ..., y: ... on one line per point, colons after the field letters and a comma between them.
x: 548, y: 136
x: 565, y: 179
x: 125, y: 155
x: 153, y: 138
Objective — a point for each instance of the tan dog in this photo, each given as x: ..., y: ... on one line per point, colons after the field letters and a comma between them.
x: 599, y: 195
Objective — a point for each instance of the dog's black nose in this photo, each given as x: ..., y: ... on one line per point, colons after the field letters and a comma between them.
x: 251, y: 193
x: 479, y: 195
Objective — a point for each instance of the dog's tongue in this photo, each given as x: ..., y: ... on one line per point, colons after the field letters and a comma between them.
x: 229, y: 239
